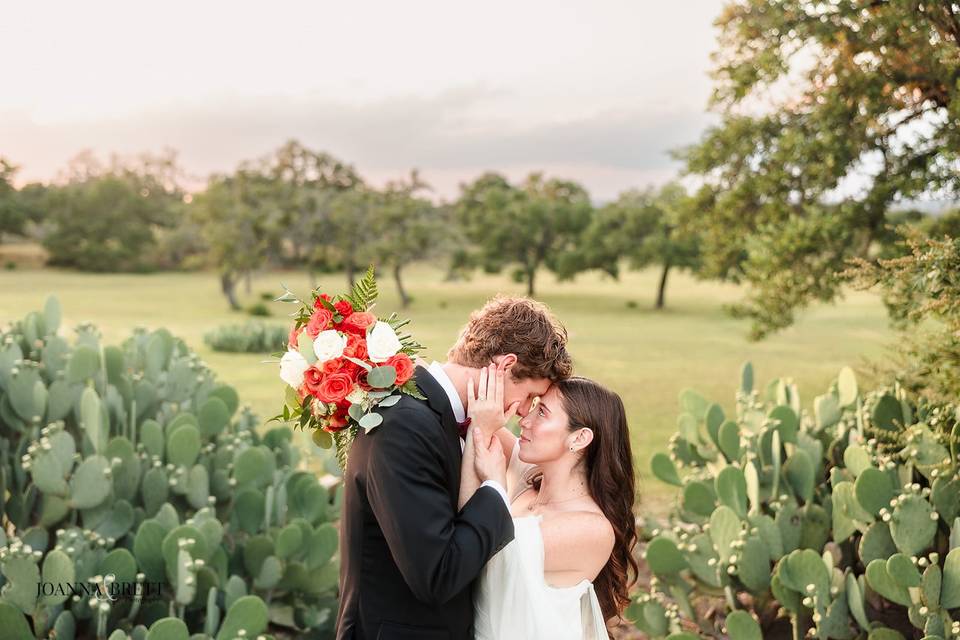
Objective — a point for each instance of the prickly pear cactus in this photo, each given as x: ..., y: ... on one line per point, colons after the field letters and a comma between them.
x: 143, y: 502
x: 840, y: 521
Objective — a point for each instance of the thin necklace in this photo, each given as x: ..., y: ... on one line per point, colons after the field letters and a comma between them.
x: 536, y: 502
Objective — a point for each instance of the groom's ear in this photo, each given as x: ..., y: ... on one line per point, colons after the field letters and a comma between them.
x: 506, y: 360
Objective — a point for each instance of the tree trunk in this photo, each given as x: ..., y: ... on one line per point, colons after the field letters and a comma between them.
x: 404, y: 298
x: 531, y: 274
x: 247, y: 280
x: 228, y: 286
x: 662, y: 289
x: 351, y: 275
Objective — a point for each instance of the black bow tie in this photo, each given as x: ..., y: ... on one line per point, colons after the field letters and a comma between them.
x: 464, y: 427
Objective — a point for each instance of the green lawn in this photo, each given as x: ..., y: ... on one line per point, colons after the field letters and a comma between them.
x: 646, y: 356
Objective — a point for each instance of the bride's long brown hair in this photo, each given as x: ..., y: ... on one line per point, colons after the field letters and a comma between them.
x: 609, y: 470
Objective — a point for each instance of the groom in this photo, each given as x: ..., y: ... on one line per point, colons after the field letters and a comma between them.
x: 408, y: 557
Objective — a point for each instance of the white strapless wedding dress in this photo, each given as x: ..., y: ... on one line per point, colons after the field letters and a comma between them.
x: 513, y: 600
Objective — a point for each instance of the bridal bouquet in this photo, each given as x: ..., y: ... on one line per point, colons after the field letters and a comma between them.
x: 342, y: 363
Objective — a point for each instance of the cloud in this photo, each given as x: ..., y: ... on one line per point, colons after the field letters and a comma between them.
x: 455, y: 133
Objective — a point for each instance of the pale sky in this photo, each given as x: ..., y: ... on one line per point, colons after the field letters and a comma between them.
x: 597, y: 91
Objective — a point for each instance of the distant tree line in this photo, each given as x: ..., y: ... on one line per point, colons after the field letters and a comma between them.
x: 297, y: 208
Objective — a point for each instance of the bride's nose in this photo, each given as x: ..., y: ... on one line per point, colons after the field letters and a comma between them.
x: 525, y: 420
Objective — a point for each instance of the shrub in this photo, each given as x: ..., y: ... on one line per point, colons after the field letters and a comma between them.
x: 258, y: 309
x: 131, y: 472
x: 839, y: 522
x: 252, y: 337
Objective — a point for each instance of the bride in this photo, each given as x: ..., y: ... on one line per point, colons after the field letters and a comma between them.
x: 571, y: 487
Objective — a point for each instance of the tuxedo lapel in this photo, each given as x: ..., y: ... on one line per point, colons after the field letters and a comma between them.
x: 440, y: 403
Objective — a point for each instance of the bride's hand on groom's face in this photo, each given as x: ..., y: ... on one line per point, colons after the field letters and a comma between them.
x: 485, y: 407
x: 488, y: 460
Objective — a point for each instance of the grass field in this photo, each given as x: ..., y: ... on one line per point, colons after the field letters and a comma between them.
x: 646, y: 356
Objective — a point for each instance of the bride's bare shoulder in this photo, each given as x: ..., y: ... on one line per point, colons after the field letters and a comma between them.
x: 582, y: 520
x: 567, y: 530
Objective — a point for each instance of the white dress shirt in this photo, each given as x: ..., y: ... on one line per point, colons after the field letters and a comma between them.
x: 460, y: 413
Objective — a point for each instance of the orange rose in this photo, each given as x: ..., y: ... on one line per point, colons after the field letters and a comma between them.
x: 331, y: 366
x: 312, y: 378
x: 292, y: 339
x: 358, y: 322
x: 404, y: 366
x: 334, y: 387
x: 356, y: 347
x: 319, y: 321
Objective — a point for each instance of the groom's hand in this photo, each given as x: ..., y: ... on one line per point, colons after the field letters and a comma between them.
x: 489, y: 460
x: 485, y: 407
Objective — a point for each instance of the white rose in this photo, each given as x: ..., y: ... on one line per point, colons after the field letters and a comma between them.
x: 292, y: 366
x: 382, y: 342
x: 329, y: 344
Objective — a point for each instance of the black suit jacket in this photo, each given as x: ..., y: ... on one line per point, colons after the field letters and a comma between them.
x: 408, y: 556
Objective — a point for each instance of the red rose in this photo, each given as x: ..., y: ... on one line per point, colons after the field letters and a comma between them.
x: 404, y: 366
x: 343, y: 307
x: 356, y: 347
x: 312, y: 378
x: 319, y: 321
x: 358, y: 322
x: 351, y: 369
x: 334, y: 387
x: 319, y: 305
x: 337, y: 421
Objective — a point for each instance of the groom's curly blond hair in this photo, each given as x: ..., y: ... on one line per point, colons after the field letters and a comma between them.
x: 525, y: 327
